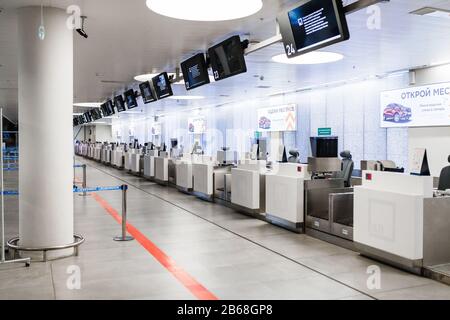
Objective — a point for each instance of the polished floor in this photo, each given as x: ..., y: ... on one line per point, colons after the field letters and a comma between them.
x: 213, y: 247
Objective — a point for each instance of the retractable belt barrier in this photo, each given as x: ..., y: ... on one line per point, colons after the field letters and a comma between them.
x: 76, y: 190
x: 17, y: 168
x: 123, y: 188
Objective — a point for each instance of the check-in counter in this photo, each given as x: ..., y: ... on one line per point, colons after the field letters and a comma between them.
x: 118, y: 158
x: 149, y: 164
x: 106, y: 155
x: 91, y: 152
x: 203, y: 178
x: 162, y: 170
x: 207, y: 178
x: 184, y: 177
x: 285, y: 195
x: 248, y: 187
x: 135, y: 162
x: 397, y: 220
x: 98, y: 153
x: 127, y: 160
x: 172, y: 171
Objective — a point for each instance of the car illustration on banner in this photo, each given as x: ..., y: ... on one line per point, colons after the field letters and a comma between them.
x: 397, y: 113
x: 264, y: 123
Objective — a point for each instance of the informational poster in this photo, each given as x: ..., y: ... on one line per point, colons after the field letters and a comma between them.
x: 423, y: 106
x: 280, y: 118
x: 156, y: 128
x: 197, y: 125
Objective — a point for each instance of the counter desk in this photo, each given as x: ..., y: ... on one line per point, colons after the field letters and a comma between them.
x: 208, y: 177
x: 117, y: 158
x: 397, y: 220
x: 183, y: 173
x: 285, y: 195
x: 248, y: 187
x: 135, y: 162
x: 162, y: 170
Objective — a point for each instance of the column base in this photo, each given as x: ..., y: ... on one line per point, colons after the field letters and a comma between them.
x: 48, y: 253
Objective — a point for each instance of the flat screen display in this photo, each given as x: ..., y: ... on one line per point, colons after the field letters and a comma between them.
x: 162, y: 86
x: 147, y: 92
x: 227, y: 58
x: 195, y: 71
x: 104, y: 110
x: 313, y: 25
x: 96, y: 114
x: 88, y: 117
x: 119, y: 103
x: 109, y: 106
x: 81, y: 119
x: 324, y: 147
x: 130, y: 99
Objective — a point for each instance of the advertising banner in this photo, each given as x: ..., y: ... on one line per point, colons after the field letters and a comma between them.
x: 280, y: 118
x: 424, y: 106
x: 197, y: 125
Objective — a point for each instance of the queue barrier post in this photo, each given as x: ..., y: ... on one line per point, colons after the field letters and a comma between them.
x: 84, y: 180
x: 124, y: 236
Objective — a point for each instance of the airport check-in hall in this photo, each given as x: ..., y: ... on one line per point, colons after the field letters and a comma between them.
x: 255, y: 150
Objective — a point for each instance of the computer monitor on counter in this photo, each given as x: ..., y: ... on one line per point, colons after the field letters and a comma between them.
x: 324, y: 147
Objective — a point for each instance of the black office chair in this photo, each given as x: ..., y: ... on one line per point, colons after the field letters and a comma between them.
x: 444, y: 178
x: 347, y: 168
x: 294, y: 156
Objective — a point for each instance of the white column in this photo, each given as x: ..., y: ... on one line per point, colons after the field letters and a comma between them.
x: 45, y: 126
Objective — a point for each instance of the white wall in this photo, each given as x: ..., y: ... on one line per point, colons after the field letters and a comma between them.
x: 435, y: 139
x: 103, y: 133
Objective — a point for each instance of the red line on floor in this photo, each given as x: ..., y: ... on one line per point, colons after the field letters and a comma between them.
x: 182, y: 276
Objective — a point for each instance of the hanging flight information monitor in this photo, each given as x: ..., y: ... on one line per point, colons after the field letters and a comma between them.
x: 195, y: 71
x: 146, y: 92
x: 162, y: 86
x: 119, y: 103
x: 130, y: 99
x: 227, y: 58
x: 313, y: 25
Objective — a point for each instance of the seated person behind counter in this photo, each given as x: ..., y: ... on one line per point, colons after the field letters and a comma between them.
x: 444, y: 178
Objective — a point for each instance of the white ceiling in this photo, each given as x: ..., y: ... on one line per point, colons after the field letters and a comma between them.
x: 126, y: 39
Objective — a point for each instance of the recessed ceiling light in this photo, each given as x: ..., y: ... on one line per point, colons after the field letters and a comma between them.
x: 205, y: 10
x: 211, y: 80
x: 132, y: 112
x: 88, y: 105
x: 150, y: 76
x: 187, y: 97
x: 315, y: 57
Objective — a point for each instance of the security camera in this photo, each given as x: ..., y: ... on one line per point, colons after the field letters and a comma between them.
x: 81, y: 31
